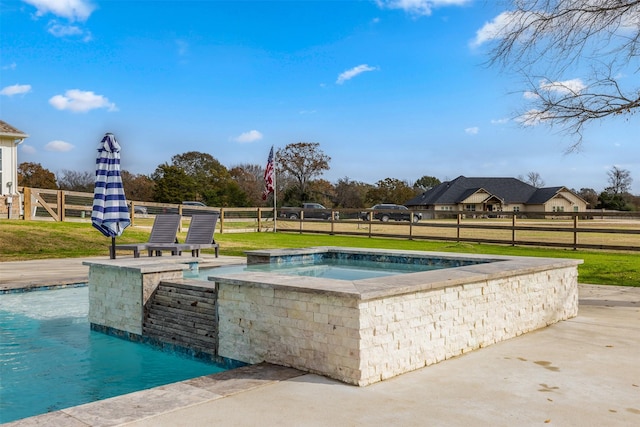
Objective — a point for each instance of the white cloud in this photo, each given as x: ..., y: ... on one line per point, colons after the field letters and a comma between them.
x: 418, y: 7
x: 492, y: 30
x: 59, y: 146
x: 349, y: 74
x: 81, y: 101
x: 530, y: 95
x: 62, y: 30
x: 502, y: 24
x: 15, y: 90
x: 251, y: 136
x: 533, y: 117
x: 499, y: 121
x: 472, y: 130
x: 73, y: 10
x: 11, y: 66
x: 573, y: 86
x: 27, y: 149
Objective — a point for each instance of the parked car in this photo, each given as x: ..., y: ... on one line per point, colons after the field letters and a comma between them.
x: 311, y: 211
x: 192, y: 203
x: 386, y: 211
x: 142, y: 210
x: 189, y: 205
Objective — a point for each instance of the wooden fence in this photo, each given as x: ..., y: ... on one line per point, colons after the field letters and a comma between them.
x: 574, y: 230
x: 610, y: 231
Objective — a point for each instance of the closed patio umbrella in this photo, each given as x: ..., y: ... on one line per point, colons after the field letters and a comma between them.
x: 110, y: 214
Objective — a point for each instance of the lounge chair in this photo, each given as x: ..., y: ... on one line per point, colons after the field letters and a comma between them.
x: 164, y: 231
x: 199, y: 236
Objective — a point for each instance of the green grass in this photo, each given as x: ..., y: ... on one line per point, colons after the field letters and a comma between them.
x: 24, y: 240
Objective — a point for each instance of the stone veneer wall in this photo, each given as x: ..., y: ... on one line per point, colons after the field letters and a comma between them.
x: 364, y: 341
x: 310, y: 331
x: 117, y: 295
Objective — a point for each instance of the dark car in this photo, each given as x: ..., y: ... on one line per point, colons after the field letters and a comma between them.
x: 191, y: 203
x: 386, y: 211
x: 191, y: 207
x: 142, y: 210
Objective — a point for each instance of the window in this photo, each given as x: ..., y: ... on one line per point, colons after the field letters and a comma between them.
x: 470, y: 207
x: 516, y: 208
x: 558, y: 209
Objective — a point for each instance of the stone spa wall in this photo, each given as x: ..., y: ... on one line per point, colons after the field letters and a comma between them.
x: 366, y: 331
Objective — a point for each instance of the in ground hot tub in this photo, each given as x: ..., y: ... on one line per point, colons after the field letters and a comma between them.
x: 364, y: 330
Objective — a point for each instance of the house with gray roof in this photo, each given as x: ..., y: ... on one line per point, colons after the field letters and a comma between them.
x: 496, y: 195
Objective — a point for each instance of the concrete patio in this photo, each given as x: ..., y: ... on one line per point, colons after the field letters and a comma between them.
x: 580, y: 372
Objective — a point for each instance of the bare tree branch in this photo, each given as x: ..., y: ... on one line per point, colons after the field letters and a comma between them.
x: 547, y: 40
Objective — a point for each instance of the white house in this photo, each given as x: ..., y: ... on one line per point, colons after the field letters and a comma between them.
x: 10, y: 138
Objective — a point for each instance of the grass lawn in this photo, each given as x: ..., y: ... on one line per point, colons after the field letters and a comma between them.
x: 24, y: 240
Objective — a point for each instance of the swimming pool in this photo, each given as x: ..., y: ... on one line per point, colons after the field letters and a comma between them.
x: 50, y: 359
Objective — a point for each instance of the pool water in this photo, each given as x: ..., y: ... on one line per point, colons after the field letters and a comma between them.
x: 327, y: 268
x: 50, y: 359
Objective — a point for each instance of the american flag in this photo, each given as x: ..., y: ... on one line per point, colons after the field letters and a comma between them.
x: 269, y: 173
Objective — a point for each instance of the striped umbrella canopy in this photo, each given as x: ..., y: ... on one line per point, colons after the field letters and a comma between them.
x: 110, y: 213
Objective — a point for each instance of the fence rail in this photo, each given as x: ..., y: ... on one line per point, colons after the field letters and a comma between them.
x: 576, y: 230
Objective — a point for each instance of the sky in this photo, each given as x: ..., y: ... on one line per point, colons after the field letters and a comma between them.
x: 388, y: 88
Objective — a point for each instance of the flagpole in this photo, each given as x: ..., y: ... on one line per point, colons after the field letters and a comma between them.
x: 275, y: 194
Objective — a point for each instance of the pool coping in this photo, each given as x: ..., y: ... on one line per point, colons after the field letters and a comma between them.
x: 147, y: 403
x: 374, y: 288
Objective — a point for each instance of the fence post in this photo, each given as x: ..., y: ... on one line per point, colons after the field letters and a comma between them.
x: 458, y: 227
x: 410, y: 225
x: 332, y: 222
x: 221, y: 220
x: 575, y: 231
x: 60, y: 200
x: 27, y: 203
x: 513, y: 230
x: 301, y: 220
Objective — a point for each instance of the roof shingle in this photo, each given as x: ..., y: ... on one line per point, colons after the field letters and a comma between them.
x: 7, y: 130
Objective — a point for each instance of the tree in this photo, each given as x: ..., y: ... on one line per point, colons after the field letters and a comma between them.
x: 35, y: 176
x: 616, y: 196
x: 391, y: 190
x: 620, y: 181
x: 137, y: 187
x: 323, y: 192
x: 589, y: 195
x: 351, y: 194
x: 302, y: 161
x: 172, y: 185
x: 533, y: 178
x: 205, y: 180
x: 76, y: 181
x: 549, y: 42
x: 426, y: 183
x: 250, y: 179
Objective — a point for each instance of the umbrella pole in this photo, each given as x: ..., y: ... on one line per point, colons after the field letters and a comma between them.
x: 113, y: 248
